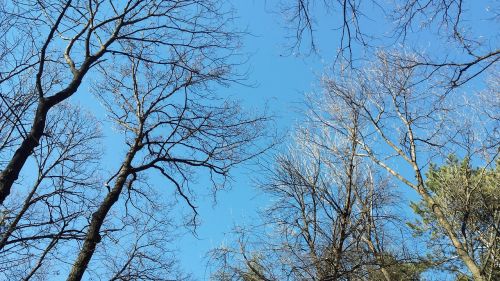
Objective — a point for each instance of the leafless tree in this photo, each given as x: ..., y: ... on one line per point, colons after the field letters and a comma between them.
x: 448, y: 21
x: 172, y: 126
x: 409, y: 124
x: 148, y: 257
x: 155, y: 62
x: 49, y: 215
x: 329, y: 218
x: 51, y: 46
x: 138, y: 241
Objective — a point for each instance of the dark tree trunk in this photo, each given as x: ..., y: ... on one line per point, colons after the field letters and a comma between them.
x: 93, y: 237
x: 11, y: 172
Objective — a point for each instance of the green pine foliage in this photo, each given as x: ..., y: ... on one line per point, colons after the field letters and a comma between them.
x: 470, y: 198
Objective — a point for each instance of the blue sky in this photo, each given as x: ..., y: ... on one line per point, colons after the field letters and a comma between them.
x: 280, y: 80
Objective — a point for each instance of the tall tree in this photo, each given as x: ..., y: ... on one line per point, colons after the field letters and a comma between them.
x: 51, y: 46
x: 408, y: 123
x: 171, y: 126
x: 49, y: 213
x: 329, y: 218
x: 155, y: 63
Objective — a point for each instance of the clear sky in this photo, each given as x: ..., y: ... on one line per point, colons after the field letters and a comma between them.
x: 277, y: 80
x: 280, y: 80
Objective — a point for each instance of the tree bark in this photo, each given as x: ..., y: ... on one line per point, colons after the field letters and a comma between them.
x: 93, y: 237
x: 462, y: 253
x: 11, y: 172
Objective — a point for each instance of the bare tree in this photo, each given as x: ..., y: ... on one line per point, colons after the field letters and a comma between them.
x: 173, y: 127
x: 155, y: 62
x: 49, y: 214
x: 409, y: 124
x: 138, y: 240
x: 148, y: 257
x: 330, y: 213
x: 52, y: 46
x: 447, y: 21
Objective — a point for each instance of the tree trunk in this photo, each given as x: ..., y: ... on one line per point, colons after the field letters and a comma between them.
x: 93, y: 237
x: 462, y: 253
x: 11, y: 172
